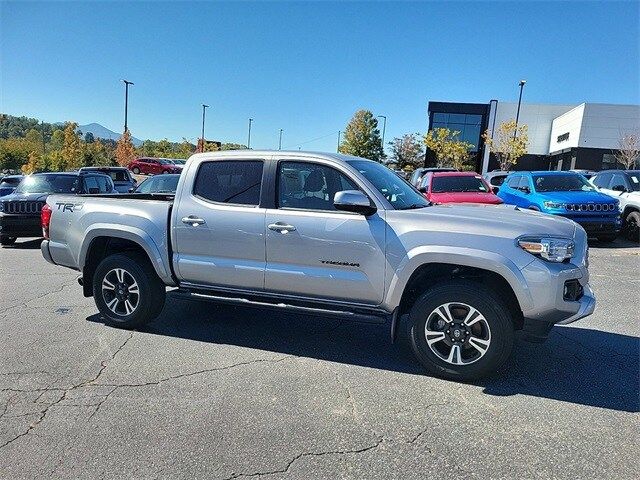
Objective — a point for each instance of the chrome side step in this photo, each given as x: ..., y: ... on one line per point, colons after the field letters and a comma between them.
x: 311, y: 310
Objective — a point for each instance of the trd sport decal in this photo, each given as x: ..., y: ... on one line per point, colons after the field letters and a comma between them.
x: 69, y: 207
x: 344, y: 264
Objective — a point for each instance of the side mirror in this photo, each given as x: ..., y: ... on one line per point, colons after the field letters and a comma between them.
x: 619, y: 188
x: 422, y: 189
x: 495, y: 189
x: 353, y: 201
x: 131, y: 190
x: 94, y: 190
x: 526, y: 190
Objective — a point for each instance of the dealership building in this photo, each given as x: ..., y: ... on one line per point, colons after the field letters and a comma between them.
x: 561, y: 137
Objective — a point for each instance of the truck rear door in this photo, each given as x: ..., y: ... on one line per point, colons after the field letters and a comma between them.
x: 218, y: 227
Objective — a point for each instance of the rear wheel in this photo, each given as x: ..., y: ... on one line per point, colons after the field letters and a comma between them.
x: 5, y: 240
x: 127, y: 290
x: 136, y: 170
x: 460, y: 330
x: 632, y: 226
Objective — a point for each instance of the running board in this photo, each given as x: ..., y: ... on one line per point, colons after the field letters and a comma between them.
x: 373, y: 317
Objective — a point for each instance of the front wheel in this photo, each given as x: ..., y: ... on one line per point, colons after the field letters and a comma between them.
x: 7, y: 240
x: 127, y: 290
x: 460, y: 330
x: 136, y: 170
x: 632, y: 226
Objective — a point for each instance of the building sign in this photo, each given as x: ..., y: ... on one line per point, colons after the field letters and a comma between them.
x: 563, y: 138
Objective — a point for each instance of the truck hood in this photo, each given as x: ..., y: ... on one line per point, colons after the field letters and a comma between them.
x: 498, y: 221
x: 465, y: 197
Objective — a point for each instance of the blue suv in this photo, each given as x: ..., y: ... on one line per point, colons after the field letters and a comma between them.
x: 567, y: 194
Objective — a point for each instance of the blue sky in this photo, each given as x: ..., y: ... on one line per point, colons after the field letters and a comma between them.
x: 305, y: 67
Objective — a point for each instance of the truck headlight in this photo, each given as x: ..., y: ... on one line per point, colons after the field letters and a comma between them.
x: 553, y: 205
x: 548, y: 248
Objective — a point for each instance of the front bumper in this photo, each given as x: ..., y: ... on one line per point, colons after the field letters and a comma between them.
x: 595, y: 224
x: 20, y: 225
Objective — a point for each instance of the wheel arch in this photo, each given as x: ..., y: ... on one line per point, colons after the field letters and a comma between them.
x: 98, y: 245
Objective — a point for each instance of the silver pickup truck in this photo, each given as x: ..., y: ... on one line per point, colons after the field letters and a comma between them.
x: 329, y: 234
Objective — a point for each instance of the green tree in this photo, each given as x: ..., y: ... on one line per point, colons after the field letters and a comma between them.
x: 89, y: 138
x: 407, y: 151
x: 57, y: 140
x: 507, y: 146
x: 233, y: 146
x: 14, y: 152
x: 362, y: 137
x: 185, y: 149
x: 125, y: 153
x: 72, y: 147
x: 448, y: 149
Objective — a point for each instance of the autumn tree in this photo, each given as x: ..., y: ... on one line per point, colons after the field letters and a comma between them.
x: 72, y: 148
x: 447, y: 147
x: 407, y: 151
x: 125, y: 153
x: 628, y: 149
x: 233, y: 146
x: 509, y: 144
x: 32, y: 164
x: 362, y: 137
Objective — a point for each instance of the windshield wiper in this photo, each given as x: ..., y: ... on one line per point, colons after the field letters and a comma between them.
x: 414, y: 206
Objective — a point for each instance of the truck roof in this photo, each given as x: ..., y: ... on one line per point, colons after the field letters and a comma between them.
x: 253, y: 154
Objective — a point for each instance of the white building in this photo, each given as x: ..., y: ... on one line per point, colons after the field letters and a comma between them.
x: 561, y: 137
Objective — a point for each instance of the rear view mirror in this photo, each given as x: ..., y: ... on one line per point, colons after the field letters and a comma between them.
x: 353, y: 201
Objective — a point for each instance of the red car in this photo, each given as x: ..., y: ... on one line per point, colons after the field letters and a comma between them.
x: 457, y: 187
x: 153, y: 166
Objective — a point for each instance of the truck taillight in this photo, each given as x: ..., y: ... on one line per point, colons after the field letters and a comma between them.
x: 45, y: 218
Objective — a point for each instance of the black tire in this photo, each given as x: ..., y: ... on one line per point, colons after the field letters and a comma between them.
x: 497, y: 318
x: 136, y: 170
x: 632, y: 226
x: 606, y: 238
x: 7, y: 240
x: 150, y: 298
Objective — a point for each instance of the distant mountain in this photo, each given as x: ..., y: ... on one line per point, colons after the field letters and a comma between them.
x: 103, y: 132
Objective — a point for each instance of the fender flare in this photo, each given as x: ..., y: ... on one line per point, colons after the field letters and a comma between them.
x: 464, y: 256
x: 136, y: 235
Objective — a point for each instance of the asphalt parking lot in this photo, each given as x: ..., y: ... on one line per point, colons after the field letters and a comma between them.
x: 221, y: 392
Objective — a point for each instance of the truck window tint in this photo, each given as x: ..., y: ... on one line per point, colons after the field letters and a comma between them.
x: 235, y: 182
x: 310, y: 186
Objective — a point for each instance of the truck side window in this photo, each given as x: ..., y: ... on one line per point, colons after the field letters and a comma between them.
x: 524, y: 182
x: 617, y: 182
x: 235, y: 182
x: 310, y: 186
x: 91, y: 184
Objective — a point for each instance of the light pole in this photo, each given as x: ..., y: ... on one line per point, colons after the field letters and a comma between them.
x: 515, y: 131
x: 249, y: 137
x: 204, y: 107
x: 384, y: 129
x: 126, y: 101
x: 280, y: 141
x: 338, y: 149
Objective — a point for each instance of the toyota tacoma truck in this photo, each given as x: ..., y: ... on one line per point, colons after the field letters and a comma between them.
x: 329, y: 234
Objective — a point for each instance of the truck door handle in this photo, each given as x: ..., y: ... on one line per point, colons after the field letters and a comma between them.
x: 281, y: 227
x: 193, y: 220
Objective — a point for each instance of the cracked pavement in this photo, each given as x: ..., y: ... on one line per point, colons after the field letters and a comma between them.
x: 219, y: 392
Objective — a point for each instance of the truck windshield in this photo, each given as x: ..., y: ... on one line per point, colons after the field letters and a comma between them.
x: 462, y: 183
x: 48, y: 184
x: 396, y: 190
x: 561, y: 183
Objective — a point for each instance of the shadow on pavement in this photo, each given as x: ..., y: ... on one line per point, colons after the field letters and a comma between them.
x: 30, y: 244
x: 576, y: 365
x: 620, y: 242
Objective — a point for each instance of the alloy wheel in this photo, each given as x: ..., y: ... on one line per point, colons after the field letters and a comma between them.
x: 457, y: 333
x: 120, y: 292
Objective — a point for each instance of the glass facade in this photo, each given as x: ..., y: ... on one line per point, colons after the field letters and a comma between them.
x: 469, y: 126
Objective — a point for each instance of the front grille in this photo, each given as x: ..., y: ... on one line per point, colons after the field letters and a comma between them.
x: 24, y: 206
x: 591, y: 207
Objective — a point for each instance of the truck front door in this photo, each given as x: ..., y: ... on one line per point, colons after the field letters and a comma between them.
x: 218, y: 228
x: 314, y: 250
